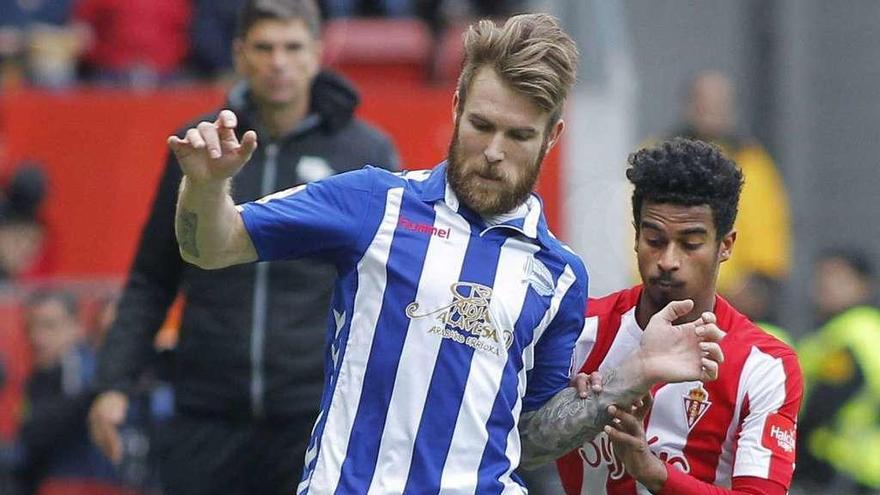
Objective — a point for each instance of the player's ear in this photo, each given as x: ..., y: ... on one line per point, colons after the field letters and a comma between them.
x: 456, y: 99
x: 555, y: 133
x: 725, y: 247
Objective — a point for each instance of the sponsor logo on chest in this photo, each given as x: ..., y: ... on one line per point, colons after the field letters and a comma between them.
x: 467, y: 320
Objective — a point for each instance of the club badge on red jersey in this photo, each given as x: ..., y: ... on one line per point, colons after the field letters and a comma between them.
x: 696, y: 403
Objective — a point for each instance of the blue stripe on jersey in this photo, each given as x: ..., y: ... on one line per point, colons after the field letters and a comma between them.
x: 449, y: 377
x: 495, y: 463
x: 407, y: 256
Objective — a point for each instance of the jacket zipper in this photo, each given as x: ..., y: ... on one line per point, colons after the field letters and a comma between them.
x: 261, y: 296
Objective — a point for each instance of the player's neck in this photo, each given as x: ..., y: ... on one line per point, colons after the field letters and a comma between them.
x: 280, y: 120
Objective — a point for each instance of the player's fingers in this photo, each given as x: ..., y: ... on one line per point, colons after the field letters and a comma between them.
x: 712, y: 351
x: 226, y: 119
x: 177, y: 145
x: 708, y: 317
x: 674, y: 310
x: 709, y: 370
x: 211, y: 137
x: 709, y: 332
x: 621, y: 438
x: 581, y: 383
x: 625, y: 421
x: 248, y: 144
x: 596, y: 381
x: 226, y: 123
x: 643, y: 406
x: 194, y: 139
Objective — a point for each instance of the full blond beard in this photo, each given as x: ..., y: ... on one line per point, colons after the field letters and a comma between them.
x: 475, y: 197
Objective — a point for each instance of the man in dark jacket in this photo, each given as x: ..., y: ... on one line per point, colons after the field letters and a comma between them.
x: 248, y: 370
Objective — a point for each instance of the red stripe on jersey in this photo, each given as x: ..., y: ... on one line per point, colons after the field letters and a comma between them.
x: 571, y: 471
x: 743, y: 414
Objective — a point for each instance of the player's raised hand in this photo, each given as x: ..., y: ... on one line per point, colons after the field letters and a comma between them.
x: 211, y: 150
x: 685, y: 352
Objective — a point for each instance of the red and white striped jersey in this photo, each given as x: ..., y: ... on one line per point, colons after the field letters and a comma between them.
x: 742, y: 424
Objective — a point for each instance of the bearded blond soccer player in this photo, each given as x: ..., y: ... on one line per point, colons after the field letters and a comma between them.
x: 456, y: 310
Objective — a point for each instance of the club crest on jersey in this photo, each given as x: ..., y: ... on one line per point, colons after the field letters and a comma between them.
x: 539, y: 276
x: 696, y: 403
x: 467, y: 320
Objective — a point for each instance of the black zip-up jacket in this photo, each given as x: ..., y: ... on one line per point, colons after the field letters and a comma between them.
x: 252, y: 336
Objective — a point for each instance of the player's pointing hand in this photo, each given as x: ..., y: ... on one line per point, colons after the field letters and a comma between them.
x: 211, y: 151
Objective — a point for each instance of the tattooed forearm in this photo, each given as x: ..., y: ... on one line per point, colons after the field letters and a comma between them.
x: 567, y: 421
x: 187, y: 223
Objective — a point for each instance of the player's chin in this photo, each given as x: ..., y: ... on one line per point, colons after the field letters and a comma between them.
x: 665, y: 294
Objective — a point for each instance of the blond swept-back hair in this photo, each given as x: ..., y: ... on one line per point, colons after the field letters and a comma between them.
x: 530, y: 52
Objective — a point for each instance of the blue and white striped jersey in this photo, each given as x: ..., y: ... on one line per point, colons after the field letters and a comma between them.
x: 442, y: 330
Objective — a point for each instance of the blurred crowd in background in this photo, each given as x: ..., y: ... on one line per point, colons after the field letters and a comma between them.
x: 146, y: 43
x: 143, y: 44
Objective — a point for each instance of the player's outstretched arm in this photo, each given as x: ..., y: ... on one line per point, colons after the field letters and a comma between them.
x: 668, y: 353
x: 210, y: 231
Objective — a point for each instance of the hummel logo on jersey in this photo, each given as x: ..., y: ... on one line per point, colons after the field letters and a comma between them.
x: 467, y: 320
x: 423, y: 228
x: 696, y: 403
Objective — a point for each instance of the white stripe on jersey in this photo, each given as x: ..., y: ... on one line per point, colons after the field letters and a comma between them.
x: 585, y: 342
x: 442, y: 267
x: 513, y: 449
x: 765, y: 373
x: 367, y: 306
x: 484, y: 377
x: 625, y: 343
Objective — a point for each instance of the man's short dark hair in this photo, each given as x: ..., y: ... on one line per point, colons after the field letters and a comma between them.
x: 254, y: 11
x: 686, y: 172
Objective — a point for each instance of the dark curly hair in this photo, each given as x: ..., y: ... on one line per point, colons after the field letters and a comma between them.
x: 689, y: 173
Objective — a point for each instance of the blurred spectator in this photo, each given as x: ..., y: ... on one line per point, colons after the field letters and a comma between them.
x: 839, y: 438
x: 248, y: 370
x: 54, y: 442
x: 212, y: 31
x: 137, y: 43
x: 756, y: 296
x: 38, y: 40
x: 763, y: 223
x: 23, y: 250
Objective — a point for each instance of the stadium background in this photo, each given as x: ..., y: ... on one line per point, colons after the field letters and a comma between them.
x: 808, y: 85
